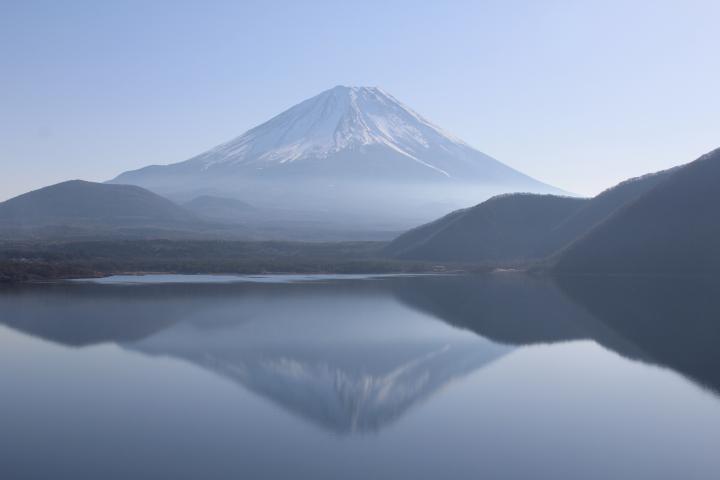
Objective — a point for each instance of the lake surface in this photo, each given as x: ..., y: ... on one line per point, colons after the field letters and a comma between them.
x: 490, y: 376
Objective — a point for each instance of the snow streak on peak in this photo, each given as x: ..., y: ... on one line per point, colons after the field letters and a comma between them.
x: 342, y: 118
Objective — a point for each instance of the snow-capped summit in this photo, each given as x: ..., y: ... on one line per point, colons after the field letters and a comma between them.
x: 347, y: 150
x: 349, y: 132
x: 337, y: 119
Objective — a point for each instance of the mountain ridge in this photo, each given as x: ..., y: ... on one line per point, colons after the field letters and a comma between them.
x: 503, y: 229
x: 92, y: 201
x: 516, y: 228
x: 672, y: 228
x: 82, y: 209
x: 347, y: 151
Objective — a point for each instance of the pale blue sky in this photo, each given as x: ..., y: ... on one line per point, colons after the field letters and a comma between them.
x: 580, y: 94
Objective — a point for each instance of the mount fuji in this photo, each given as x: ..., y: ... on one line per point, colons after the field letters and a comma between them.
x: 352, y: 154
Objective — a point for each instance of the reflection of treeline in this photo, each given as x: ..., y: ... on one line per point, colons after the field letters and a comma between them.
x: 22, y: 271
x: 38, y: 261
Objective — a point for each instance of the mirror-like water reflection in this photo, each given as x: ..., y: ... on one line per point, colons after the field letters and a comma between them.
x: 507, y: 376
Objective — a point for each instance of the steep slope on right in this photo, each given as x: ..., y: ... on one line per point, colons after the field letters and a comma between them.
x: 672, y: 229
x: 666, y: 222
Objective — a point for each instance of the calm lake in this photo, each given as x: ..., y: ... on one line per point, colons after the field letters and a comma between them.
x: 489, y: 376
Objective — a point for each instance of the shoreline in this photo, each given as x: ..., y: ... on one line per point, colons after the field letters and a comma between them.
x: 41, y: 275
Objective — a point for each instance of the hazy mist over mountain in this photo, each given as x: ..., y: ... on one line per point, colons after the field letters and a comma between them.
x: 347, y: 151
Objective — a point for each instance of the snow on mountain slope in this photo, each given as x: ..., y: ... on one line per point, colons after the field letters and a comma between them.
x: 337, y: 119
x: 347, y: 132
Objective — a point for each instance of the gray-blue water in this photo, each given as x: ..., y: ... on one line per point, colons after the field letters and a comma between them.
x: 495, y: 376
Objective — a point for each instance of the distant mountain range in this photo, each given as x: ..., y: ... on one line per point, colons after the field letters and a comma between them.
x: 353, y: 163
x: 355, y: 154
x: 659, y: 223
x: 78, y: 208
x: 663, y: 222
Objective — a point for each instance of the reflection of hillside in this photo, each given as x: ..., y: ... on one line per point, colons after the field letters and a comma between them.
x: 87, y: 314
x: 676, y: 321
x: 76, y: 315
x: 670, y: 322
x: 507, y: 308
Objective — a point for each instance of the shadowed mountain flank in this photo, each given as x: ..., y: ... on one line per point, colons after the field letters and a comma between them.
x: 517, y: 228
x: 673, y: 228
x: 79, y: 208
x: 503, y: 229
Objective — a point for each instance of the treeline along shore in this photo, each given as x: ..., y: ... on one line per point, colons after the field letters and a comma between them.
x: 42, y: 261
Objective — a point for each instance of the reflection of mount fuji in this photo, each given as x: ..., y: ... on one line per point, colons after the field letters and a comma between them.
x: 345, y: 385
x: 345, y: 355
